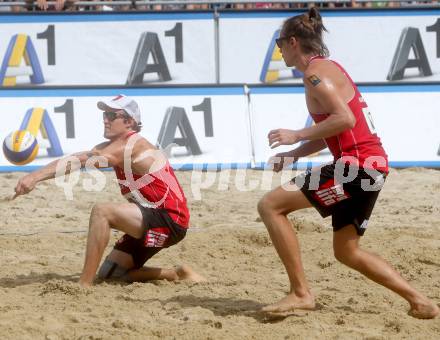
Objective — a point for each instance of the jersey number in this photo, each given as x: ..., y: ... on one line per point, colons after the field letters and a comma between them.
x: 369, y: 119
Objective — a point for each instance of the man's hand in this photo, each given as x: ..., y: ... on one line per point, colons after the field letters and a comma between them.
x: 59, y: 5
x: 25, y: 185
x: 42, y: 4
x: 282, y: 159
x: 283, y: 137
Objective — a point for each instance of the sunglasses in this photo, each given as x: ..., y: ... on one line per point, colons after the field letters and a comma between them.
x: 279, y: 41
x: 111, y: 116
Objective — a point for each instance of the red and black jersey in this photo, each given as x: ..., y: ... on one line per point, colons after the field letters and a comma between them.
x: 361, y: 141
x: 160, y: 190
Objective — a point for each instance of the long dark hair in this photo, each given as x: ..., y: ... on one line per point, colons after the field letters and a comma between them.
x: 307, y: 28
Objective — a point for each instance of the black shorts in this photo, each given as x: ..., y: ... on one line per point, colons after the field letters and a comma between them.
x: 160, y: 231
x: 347, y: 203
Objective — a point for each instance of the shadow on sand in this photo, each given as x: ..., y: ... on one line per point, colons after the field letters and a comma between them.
x: 23, y: 280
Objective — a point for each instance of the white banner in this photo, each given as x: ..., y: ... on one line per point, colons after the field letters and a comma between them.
x: 215, y: 125
x: 109, y: 49
x: 364, y: 42
x: 180, y: 48
x: 406, y: 122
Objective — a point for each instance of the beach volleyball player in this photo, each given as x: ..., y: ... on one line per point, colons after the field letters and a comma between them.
x: 156, y: 215
x: 344, y: 125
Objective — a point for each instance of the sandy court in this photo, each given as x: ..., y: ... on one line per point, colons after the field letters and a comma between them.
x: 39, y: 297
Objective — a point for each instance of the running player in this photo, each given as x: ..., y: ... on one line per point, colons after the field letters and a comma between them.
x: 156, y: 215
x: 347, y: 189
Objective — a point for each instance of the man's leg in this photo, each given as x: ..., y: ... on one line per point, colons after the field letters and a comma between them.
x: 183, y: 272
x: 124, y: 217
x: 128, y: 219
x: 347, y: 251
x: 144, y: 274
x: 273, y: 209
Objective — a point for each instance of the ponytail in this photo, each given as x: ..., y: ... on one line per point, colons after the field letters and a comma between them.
x: 316, y: 21
x: 307, y: 29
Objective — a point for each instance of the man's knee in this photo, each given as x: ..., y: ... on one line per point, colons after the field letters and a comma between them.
x: 98, y: 209
x: 265, y: 206
x: 346, y: 254
x: 101, y: 210
x: 346, y: 245
x: 261, y: 206
x: 110, y: 270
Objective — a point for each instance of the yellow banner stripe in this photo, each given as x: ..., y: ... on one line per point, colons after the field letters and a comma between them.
x: 27, y: 60
x: 35, y: 121
x: 276, y: 55
x: 271, y: 76
x: 18, y: 50
x: 9, y: 81
x: 43, y: 131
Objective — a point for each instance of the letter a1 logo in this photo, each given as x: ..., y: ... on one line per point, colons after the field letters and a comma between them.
x: 20, y: 47
x: 37, y: 120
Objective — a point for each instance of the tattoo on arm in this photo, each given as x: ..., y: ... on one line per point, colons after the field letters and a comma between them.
x: 314, y: 80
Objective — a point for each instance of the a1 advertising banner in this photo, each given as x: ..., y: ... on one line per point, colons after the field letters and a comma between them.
x: 404, y: 117
x: 373, y: 46
x: 107, y: 49
x: 197, y: 126
x: 188, y: 48
x: 218, y: 126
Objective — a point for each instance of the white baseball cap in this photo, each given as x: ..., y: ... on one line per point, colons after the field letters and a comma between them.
x: 122, y: 102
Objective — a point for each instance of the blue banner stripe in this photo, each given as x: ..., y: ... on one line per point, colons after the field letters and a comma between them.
x: 362, y: 89
x: 101, y: 17
x: 334, y: 13
x: 201, y: 91
x: 150, y: 91
x: 220, y: 166
x: 400, y: 88
x: 7, y: 18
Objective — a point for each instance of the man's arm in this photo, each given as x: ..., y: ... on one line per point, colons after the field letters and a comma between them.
x: 28, y: 182
x: 283, y: 159
x: 325, y: 92
x: 309, y: 148
x: 146, y: 158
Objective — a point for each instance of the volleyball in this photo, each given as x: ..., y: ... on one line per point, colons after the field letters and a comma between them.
x: 20, y: 147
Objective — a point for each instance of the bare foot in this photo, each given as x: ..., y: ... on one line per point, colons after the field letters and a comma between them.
x: 84, y: 284
x: 291, y: 302
x: 426, y: 310
x: 185, y: 272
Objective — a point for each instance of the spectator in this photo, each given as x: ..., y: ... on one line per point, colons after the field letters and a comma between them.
x: 193, y: 7
x: 10, y: 8
x: 43, y: 5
